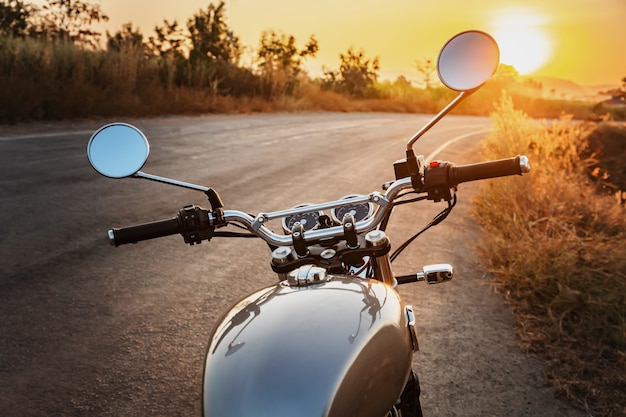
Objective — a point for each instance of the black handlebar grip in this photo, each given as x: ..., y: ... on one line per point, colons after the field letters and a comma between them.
x: 134, y: 234
x: 511, y: 166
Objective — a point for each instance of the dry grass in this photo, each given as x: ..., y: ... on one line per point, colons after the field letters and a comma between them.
x: 46, y: 80
x: 557, y: 249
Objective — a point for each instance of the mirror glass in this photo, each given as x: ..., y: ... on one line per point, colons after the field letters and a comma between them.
x: 468, y: 60
x: 118, y: 150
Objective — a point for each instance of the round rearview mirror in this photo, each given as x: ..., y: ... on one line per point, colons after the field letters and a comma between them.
x: 468, y: 60
x: 118, y: 150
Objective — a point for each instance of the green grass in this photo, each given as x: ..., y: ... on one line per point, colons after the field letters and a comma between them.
x: 557, y: 249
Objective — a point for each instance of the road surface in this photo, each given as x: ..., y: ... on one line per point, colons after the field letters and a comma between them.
x: 88, y: 329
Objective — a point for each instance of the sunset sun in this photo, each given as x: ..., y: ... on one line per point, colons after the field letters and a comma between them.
x: 524, y: 44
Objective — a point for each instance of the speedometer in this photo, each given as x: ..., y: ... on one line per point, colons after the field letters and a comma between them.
x: 309, y: 221
x: 360, y: 211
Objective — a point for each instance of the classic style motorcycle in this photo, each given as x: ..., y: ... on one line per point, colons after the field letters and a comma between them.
x: 332, y: 337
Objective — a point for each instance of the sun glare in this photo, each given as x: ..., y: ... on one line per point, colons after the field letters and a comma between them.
x: 523, y: 42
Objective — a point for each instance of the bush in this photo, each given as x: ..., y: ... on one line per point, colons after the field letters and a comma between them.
x: 558, y: 252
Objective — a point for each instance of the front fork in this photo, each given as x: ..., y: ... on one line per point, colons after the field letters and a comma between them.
x: 409, y: 402
x: 381, y: 265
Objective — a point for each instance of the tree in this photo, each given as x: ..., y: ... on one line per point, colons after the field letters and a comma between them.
x: 427, y: 69
x: 14, y: 18
x: 210, y: 37
x: 401, y: 87
x: 70, y: 21
x: 280, y: 61
x: 170, y: 47
x: 125, y: 38
x: 506, y: 73
x: 533, y: 86
x: 170, y: 41
x: 357, y: 75
x: 621, y: 92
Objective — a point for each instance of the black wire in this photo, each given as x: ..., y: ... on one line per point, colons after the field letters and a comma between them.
x: 237, y: 225
x: 247, y: 234
x: 423, y: 197
x: 233, y: 234
x: 438, y: 219
x: 413, y: 200
x: 385, y: 221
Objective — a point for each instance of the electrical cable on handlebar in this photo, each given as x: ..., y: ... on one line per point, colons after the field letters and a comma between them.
x: 436, y: 220
x: 385, y: 221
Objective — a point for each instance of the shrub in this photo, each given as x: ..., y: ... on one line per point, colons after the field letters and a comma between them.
x: 558, y: 252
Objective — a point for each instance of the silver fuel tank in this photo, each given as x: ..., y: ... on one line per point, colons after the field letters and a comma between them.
x: 333, y: 349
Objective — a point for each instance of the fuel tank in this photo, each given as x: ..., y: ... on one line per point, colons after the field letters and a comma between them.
x: 338, y: 348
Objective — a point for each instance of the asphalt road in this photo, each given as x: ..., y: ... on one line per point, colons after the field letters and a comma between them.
x: 88, y: 329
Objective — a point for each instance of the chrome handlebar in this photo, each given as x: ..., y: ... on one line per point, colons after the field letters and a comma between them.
x: 383, y: 202
x: 196, y: 224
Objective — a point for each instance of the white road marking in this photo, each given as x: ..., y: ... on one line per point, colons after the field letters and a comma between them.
x: 434, y: 153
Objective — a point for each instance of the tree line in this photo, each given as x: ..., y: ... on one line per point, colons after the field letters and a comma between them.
x: 55, y: 65
x: 202, y: 53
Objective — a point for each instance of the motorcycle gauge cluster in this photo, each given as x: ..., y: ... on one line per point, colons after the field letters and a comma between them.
x: 309, y: 221
x: 360, y: 211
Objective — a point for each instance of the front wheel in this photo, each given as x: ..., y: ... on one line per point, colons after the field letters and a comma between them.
x: 409, y: 400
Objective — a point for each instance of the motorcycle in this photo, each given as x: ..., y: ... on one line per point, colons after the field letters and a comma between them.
x: 332, y: 337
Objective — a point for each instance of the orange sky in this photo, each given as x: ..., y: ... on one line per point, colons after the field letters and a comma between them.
x: 580, y: 40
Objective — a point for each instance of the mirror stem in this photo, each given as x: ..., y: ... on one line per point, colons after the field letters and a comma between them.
x: 412, y: 164
x: 462, y: 95
x: 156, y: 178
x: 214, y: 198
